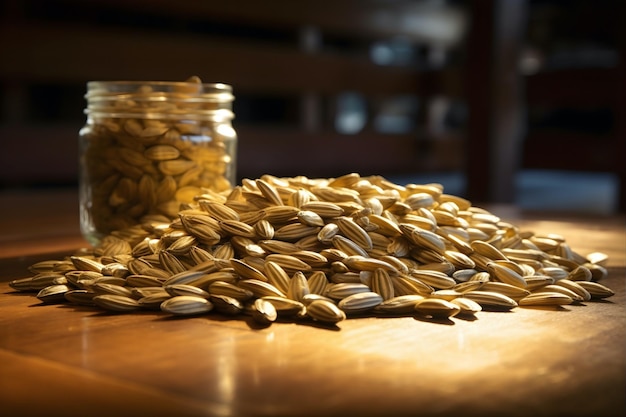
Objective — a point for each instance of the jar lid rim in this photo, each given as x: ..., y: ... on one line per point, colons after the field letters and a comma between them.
x: 158, y: 90
x: 216, y: 85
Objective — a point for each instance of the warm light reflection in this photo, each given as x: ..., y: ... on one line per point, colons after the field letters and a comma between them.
x: 226, y: 375
x: 84, y: 342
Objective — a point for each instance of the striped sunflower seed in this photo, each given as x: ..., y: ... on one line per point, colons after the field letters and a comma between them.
x: 238, y: 228
x: 294, y: 231
x: 491, y: 300
x: 186, y: 305
x: 286, y: 307
x: 467, y: 306
x: 506, y: 275
x: 343, y: 290
x: 534, y: 282
x: 104, y: 288
x: 325, y: 311
x: 596, y: 290
x: 317, y: 282
x: 226, y: 305
x: 86, y: 264
x: 264, y: 312
x: 437, y: 308
x: 230, y: 290
x: 141, y: 292
x: 509, y: 290
x: 53, y: 294
x: 289, y: 263
x: 80, y: 297
x: 264, y: 229
x: 576, y: 298
x: 447, y: 295
x: 401, y: 304
x: 260, y: 288
x: 466, y: 286
x: 575, y: 287
x: 218, y: 210
x: 408, y: 285
x: 143, y: 281
x: 362, y: 263
x: 351, y: 230
x: 269, y: 192
x: 184, y: 289
x: 435, y: 279
x: 116, y: 303
x: 348, y: 246
x: 154, y: 301
x: 545, y: 298
x: 278, y: 246
x: 324, y: 209
x: 360, y: 302
x: 184, y: 277
x: 580, y: 273
x: 310, y: 218
x: 298, y: 287
x: 382, y: 284
x: 247, y: 271
x: 280, y: 214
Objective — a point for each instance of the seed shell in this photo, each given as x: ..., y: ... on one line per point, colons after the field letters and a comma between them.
x: 360, y: 302
x: 116, y: 303
x: 325, y: 311
x: 437, y: 308
x: 186, y: 305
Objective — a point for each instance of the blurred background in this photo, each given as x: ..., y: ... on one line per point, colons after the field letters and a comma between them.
x: 502, y: 101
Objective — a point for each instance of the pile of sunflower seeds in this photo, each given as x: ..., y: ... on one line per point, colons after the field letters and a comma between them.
x: 299, y: 248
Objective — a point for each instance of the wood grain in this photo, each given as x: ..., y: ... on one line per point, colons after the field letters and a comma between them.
x: 77, y: 361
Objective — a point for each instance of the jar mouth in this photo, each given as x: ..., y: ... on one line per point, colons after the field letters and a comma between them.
x: 150, y: 91
x: 159, y: 99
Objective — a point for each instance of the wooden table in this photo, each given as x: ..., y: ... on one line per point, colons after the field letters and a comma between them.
x: 76, y: 361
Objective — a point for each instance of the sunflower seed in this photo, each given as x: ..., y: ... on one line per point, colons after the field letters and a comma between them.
x: 184, y: 289
x: 104, y: 288
x: 545, y: 298
x: 116, y: 303
x: 289, y: 263
x: 491, y: 300
x: 230, y: 290
x: 360, y: 302
x: 575, y: 287
x: 186, y: 305
x: 325, y: 311
x: 436, y: 308
x: 226, y: 305
x: 286, y: 307
x: 53, y: 293
x: 260, y: 288
x: 247, y: 271
x: 506, y: 275
x: 381, y: 284
x: 264, y: 312
x: 596, y: 290
x: 509, y: 290
x: 354, y: 232
x: 401, y: 305
x: 80, y: 297
x: 154, y: 301
x: 576, y: 298
x: 467, y: 306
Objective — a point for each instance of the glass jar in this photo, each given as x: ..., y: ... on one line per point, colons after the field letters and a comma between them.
x: 148, y: 147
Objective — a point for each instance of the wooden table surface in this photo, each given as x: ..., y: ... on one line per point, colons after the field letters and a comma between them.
x: 62, y: 360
